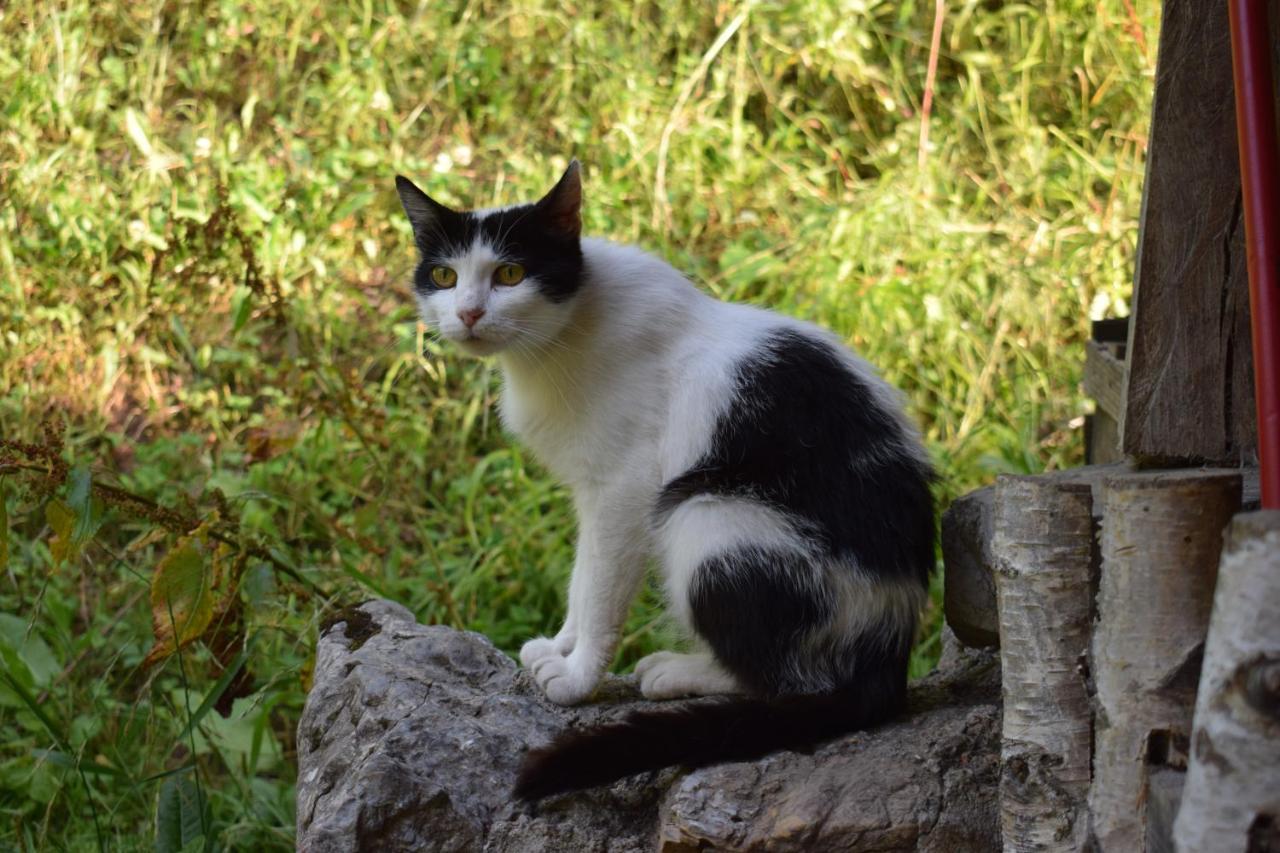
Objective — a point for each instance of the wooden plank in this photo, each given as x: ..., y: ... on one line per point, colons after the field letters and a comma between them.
x: 1104, y: 378
x: 1101, y: 439
x: 1189, y: 395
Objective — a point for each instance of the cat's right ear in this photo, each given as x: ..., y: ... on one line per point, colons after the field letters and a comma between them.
x: 563, y: 205
x: 423, y: 211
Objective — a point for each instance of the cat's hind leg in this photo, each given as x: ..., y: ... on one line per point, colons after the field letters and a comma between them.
x: 745, y: 581
x: 670, y: 675
x: 760, y: 612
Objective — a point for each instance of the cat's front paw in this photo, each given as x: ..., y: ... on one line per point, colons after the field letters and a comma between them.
x: 565, y: 680
x: 544, y: 647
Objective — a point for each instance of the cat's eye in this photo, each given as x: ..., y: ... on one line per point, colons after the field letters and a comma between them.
x: 509, y: 274
x: 444, y: 276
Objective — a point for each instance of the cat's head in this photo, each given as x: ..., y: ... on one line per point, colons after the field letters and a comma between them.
x: 494, y: 280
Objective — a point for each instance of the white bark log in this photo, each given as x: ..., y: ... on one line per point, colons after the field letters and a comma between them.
x: 1043, y: 552
x: 1231, y: 801
x: 1161, y: 538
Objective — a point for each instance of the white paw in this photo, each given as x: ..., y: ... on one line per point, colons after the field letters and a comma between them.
x: 668, y: 675
x: 565, y: 680
x: 648, y: 662
x: 544, y: 647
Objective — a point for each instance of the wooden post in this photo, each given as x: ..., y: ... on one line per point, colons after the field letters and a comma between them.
x: 1231, y: 801
x: 1043, y: 553
x: 1189, y: 392
x: 1161, y: 537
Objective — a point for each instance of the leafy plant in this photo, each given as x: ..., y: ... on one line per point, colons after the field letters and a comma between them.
x: 220, y: 421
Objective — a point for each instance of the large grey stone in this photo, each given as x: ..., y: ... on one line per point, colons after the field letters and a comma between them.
x: 928, y: 782
x: 412, y: 734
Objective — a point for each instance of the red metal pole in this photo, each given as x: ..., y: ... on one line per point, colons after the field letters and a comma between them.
x: 1256, y: 129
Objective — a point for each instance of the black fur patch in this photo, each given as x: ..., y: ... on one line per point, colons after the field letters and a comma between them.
x: 519, y: 234
x: 806, y: 436
x: 753, y: 610
x: 757, y: 614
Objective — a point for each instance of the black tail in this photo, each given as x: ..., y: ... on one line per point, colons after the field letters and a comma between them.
x: 697, y: 734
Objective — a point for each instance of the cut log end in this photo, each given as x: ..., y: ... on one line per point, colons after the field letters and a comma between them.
x: 1232, y: 794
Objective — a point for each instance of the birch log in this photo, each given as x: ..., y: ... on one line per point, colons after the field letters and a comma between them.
x: 1231, y: 801
x: 1161, y: 539
x: 1043, y: 553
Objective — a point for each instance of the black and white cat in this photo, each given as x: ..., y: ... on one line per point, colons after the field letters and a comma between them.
x: 766, y: 470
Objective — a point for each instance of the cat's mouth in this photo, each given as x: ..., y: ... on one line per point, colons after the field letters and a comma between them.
x: 473, y: 344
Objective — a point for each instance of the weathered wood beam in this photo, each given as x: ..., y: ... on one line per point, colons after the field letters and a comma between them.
x: 1104, y: 377
x: 1189, y: 391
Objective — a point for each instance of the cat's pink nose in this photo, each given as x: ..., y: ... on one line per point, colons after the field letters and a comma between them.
x: 470, y: 316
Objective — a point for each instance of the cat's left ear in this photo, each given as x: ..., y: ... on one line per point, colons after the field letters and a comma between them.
x: 423, y: 211
x: 563, y: 205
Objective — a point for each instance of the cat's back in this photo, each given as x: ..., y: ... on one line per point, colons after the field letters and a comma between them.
x: 779, y: 411
x: 738, y: 359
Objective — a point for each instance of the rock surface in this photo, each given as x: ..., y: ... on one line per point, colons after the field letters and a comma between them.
x: 411, y: 737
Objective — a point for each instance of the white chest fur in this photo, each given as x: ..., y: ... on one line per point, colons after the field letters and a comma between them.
x: 590, y: 427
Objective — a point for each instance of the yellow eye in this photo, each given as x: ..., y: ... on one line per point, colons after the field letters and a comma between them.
x: 509, y: 274
x: 444, y: 276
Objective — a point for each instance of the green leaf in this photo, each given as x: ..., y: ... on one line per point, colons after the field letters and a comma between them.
x: 246, y: 197
x: 115, y: 70
x: 80, y: 502
x: 38, y: 782
x: 62, y: 521
x: 182, y: 816
x: 16, y: 674
x: 37, y: 660
x: 75, y: 520
x: 24, y: 695
x: 181, y: 597
x: 184, y: 341
x: 241, y: 307
x: 78, y: 492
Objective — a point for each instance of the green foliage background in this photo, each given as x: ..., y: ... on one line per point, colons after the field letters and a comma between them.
x: 204, y: 317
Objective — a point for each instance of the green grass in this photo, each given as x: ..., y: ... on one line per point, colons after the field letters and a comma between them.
x: 203, y: 281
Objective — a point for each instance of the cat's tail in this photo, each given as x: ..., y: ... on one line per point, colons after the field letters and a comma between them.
x: 698, y: 734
